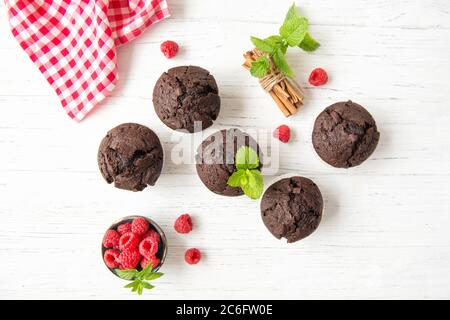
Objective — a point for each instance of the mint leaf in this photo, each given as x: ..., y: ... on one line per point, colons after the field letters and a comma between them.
x: 148, y: 274
x: 152, y: 276
x: 127, y: 274
x: 147, y: 285
x: 140, y: 288
x: 277, y: 42
x: 292, y: 13
x: 246, y: 158
x: 274, y: 41
x: 133, y: 285
x: 255, y: 185
x: 281, y: 63
x: 237, y: 179
x: 252, y: 159
x: 309, y: 44
x: 294, y: 30
x: 262, y: 45
x: 260, y: 67
x: 284, y: 48
x: 250, y: 181
x: 147, y: 270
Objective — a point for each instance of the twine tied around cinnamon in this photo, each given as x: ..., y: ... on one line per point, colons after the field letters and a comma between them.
x: 283, y: 90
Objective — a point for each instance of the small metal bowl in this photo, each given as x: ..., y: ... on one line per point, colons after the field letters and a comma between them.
x: 162, y: 249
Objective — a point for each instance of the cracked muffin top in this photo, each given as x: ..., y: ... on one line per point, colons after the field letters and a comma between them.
x: 187, y: 98
x: 345, y: 135
x: 292, y: 208
x: 131, y: 156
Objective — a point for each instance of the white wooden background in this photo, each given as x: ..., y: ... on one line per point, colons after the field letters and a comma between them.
x: 385, y: 232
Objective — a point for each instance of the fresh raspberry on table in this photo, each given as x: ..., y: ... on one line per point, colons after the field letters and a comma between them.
x: 139, y: 226
x: 148, y: 247
x: 282, y: 133
x: 111, y: 258
x: 152, y: 234
x: 183, y: 224
x: 124, y: 228
x: 170, y: 49
x: 129, y: 259
x: 128, y: 241
x: 111, y: 239
x: 318, y: 77
x: 193, y: 256
x: 153, y: 260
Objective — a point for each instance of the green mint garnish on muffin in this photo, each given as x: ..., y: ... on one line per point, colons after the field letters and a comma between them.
x: 293, y: 33
x: 139, y: 278
x: 247, y: 175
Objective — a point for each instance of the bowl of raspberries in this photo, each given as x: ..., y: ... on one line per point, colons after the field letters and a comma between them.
x: 134, y: 243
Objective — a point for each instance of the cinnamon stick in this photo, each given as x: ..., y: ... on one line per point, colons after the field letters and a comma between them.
x: 284, y: 91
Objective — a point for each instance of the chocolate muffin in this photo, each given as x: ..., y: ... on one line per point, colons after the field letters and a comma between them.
x: 292, y: 208
x: 131, y: 156
x: 186, y: 95
x: 216, y: 160
x: 345, y: 135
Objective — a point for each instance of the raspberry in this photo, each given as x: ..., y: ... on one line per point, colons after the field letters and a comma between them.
x: 139, y: 226
x: 183, y: 224
x: 283, y: 133
x: 318, y: 77
x: 152, y: 234
x: 153, y: 260
x: 111, y: 239
x: 111, y: 258
x: 170, y: 49
x: 193, y: 256
x: 128, y: 241
x: 148, y: 247
x: 124, y: 228
x: 129, y: 259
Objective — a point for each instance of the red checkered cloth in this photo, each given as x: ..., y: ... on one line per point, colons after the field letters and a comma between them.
x: 73, y: 43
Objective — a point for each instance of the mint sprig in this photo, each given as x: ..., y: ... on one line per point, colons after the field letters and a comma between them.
x: 139, y: 278
x: 293, y: 33
x: 248, y: 177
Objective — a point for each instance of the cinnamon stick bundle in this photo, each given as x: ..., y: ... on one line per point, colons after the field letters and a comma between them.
x: 283, y: 90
